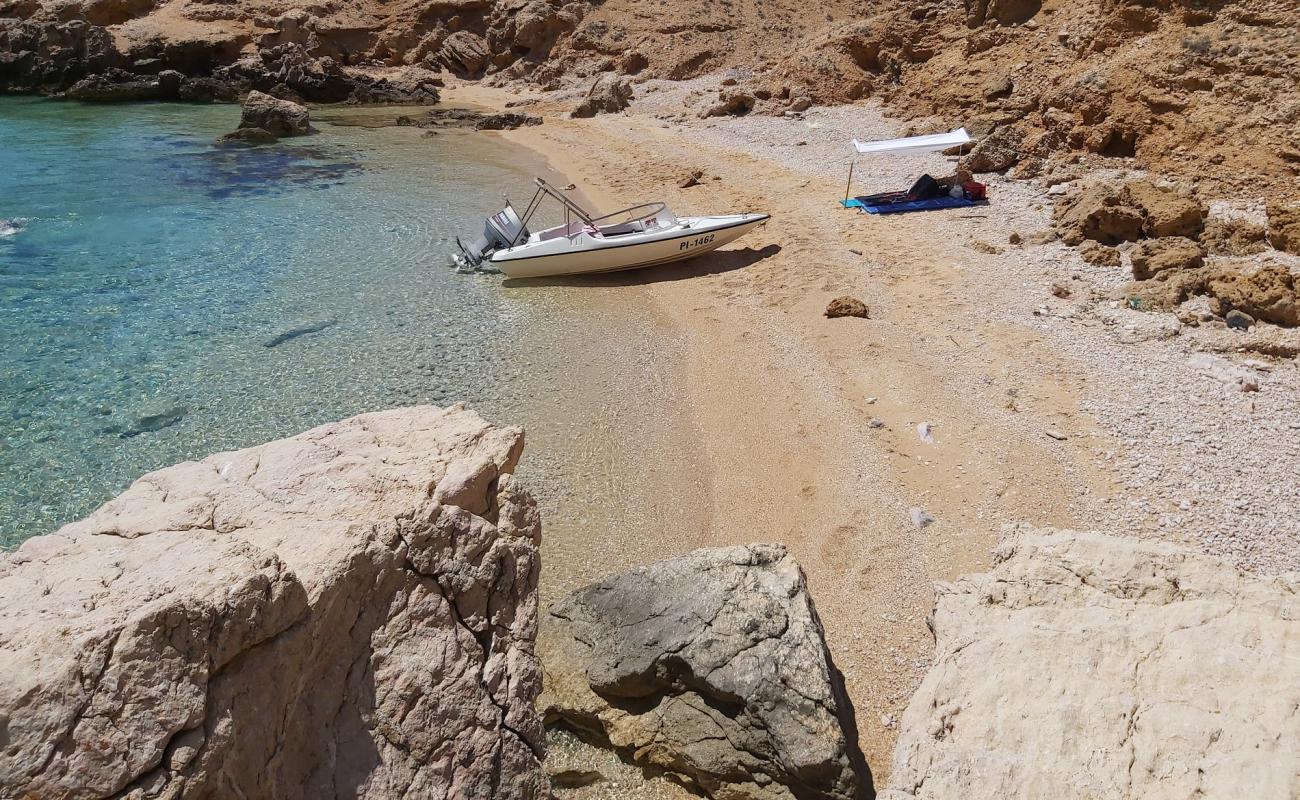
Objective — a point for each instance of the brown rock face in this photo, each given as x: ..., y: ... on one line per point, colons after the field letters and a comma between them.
x: 1155, y: 256
x: 1167, y: 212
x: 1284, y: 227
x: 711, y: 667
x: 1098, y: 213
x: 607, y: 96
x: 1078, y: 667
x: 1110, y: 213
x: 1268, y: 294
x: 996, y: 153
x: 1099, y: 255
x: 1233, y: 237
x: 346, y: 613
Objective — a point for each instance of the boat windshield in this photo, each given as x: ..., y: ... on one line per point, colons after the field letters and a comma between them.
x: 645, y: 217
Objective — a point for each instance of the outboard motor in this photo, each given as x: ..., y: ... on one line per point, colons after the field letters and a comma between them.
x: 501, y: 230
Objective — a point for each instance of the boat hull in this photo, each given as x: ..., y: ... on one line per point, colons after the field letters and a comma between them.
x: 584, y: 254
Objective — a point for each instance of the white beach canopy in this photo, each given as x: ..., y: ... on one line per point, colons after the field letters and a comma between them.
x: 915, y: 144
x: 929, y: 143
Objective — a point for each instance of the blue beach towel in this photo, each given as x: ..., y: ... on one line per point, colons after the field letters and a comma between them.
x: 911, y: 205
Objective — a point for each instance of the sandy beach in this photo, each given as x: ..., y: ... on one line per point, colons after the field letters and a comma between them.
x: 1042, y: 409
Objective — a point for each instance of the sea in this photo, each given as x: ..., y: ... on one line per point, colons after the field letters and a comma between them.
x: 163, y: 298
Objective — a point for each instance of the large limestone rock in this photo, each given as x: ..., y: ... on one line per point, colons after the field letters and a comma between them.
x: 1085, y: 665
x: 347, y: 613
x: 275, y: 116
x: 606, y: 96
x: 711, y: 667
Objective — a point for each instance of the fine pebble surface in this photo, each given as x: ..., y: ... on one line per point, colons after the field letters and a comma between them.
x: 165, y: 298
x: 1201, y: 436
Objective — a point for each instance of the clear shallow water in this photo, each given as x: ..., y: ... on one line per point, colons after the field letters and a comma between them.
x: 163, y: 299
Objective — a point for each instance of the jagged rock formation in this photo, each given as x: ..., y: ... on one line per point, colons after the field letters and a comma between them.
x: 1284, y: 227
x: 606, y: 96
x: 1085, y: 665
x: 1174, y: 84
x: 190, y: 51
x: 346, y: 613
x: 1111, y: 213
x: 711, y: 667
x: 1181, y: 86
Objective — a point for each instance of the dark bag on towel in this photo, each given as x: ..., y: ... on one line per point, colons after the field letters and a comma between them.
x: 925, y: 188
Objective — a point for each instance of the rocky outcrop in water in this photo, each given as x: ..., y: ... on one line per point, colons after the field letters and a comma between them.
x: 277, y: 117
x: 346, y: 613
x: 711, y: 667
x: 1086, y: 665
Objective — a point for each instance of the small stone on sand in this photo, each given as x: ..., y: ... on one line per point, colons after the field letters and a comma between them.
x: 847, y: 307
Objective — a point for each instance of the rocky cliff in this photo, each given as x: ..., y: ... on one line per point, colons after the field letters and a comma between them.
x: 346, y: 613
x: 1086, y: 665
x: 1205, y: 90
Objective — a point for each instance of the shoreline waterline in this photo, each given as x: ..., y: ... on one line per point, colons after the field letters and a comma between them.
x: 214, y: 340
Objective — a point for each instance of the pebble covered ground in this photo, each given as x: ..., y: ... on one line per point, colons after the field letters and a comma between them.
x: 1202, y: 440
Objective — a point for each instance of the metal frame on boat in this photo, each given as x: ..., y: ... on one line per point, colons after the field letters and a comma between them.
x: 638, y: 236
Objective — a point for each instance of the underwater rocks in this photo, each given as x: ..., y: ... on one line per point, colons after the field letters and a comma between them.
x: 467, y: 118
x: 299, y: 330
x: 348, y: 611
x: 1086, y: 665
x: 711, y: 667
x: 1284, y: 227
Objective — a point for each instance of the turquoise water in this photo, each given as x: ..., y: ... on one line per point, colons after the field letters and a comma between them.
x: 162, y: 298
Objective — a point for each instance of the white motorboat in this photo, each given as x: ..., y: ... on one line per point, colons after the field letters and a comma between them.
x: 640, y: 236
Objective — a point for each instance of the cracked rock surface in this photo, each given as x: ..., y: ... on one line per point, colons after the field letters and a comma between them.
x: 711, y: 667
x: 1086, y: 665
x: 346, y: 613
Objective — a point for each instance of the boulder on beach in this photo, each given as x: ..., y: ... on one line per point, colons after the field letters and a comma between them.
x: 997, y: 152
x: 731, y: 104
x: 607, y: 96
x: 1087, y: 665
x: 1270, y: 294
x: 348, y: 612
x: 712, y: 667
x: 847, y: 307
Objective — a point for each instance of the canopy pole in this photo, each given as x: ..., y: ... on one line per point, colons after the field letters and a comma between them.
x: 848, y: 187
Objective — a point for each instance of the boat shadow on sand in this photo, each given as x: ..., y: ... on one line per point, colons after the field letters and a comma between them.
x: 713, y: 263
